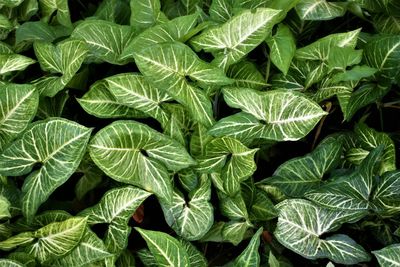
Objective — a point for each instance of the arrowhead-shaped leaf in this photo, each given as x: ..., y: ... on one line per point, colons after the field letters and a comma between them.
x: 57, y: 239
x: 191, y: 220
x: 57, y: 145
x: 234, y: 39
x: 298, y: 176
x: 301, y: 224
x: 134, y: 153
x: 388, y: 256
x: 249, y: 256
x: 273, y: 115
x: 166, y: 250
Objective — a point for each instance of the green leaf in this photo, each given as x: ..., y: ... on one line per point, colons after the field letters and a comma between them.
x: 386, y: 196
x: 196, y: 258
x: 272, y: 115
x: 233, y: 207
x: 262, y: 208
x: 221, y: 10
x: 134, y: 153
x: 106, y: 40
x: 388, y: 256
x: 191, y: 220
x: 57, y: 239
x: 11, y: 3
x: 90, y: 250
x: 18, y: 107
x: 14, y: 62
x: 230, y: 157
x: 246, y: 74
x: 301, y: 225
x: 116, y: 208
x: 57, y: 145
x: 92, y: 176
x: 234, y: 39
x: 173, y: 30
x: 368, y: 93
x: 52, y: 106
x: 145, y: 13
x: 65, y: 58
x: 370, y: 139
x: 300, y: 175
x: 350, y: 192
x: 32, y: 31
x: 10, y: 263
x: 4, y: 209
x: 61, y: 9
x: 17, y: 240
x: 320, y: 9
x: 386, y: 24
x: 355, y: 74
x: 250, y: 256
x: 383, y: 53
x: 166, y: 250
x: 146, y: 258
x: 99, y: 102
x: 282, y: 48
x: 322, y: 48
x: 126, y: 259
x: 136, y: 92
x: 169, y: 65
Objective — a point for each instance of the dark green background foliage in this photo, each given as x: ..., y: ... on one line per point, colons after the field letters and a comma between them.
x: 199, y: 133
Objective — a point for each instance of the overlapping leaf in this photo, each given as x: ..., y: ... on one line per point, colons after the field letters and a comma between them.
x: 169, y: 66
x: 134, y: 153
x: 234, y: 39
x: 320, y: 9
x: 57, y: 145
x: 388, y: 256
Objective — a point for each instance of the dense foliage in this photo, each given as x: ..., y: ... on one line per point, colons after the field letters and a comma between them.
x: 199, y: 132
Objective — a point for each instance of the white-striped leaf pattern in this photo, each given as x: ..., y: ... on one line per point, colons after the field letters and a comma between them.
x: 234, y: 39
x: 320, y: 9
x: 300, y: 175
x: 231, y: 158
x: 14, y: 62
x: 273, y: 115
x: 99, y: 102
x: 246, y: 74
x: 57, y: 239
x: 135, y: 91
x: 106, y: 40
x: 250, y: 257
x: 57, y: 145
x: 388, y: 256
x: 145, y: 13
x: 115, y: 208
x: 64, y: 58
x: 134, y: 153
x: 191, y: 220
x: 166, y: 250
x: 18, y: 105
x: 170, y: 31
x: 386, y: 195
x: 169, y: 65
x: 301, y: 224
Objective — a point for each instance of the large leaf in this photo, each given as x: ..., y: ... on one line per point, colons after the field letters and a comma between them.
x: 65, y: 58
x: 99, y: 102
x: 273, y: 115
x: 174, y: 30
x: 383, y: 53
x: 134, y: 91
x: 388, y: 256
x: 298, y: 176
x: 301, y: 225
x: 231, y: 158
x: 234, y: 39
x: 57, y: 239
x: 134, y: 153
x: 56, y: 146
x: 115, y: 208
x: 169, y: 66
x: 191, y: 220
x: 320, y: 9
x: 145, y: 13
x: 166, y: 250
x: 18, y: 107
x: 106, y: 40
